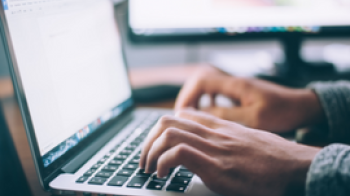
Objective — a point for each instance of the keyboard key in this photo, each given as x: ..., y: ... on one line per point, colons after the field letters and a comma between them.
x: 97, y: 181
x: 131, y: 147
x: 118, y: 181
x: 137, y: 182
x: 141, y: 173
x: 113, y: 150
x: 171, y: 170
x: 184, y: 174
x: 134, y: 161
x: 120, y: 157
x: 176, y: 188
x: 101, y: 195
x: 126, y: 152
x: 125, y: 172
x: 131, y: 166
x: 138, y: 140
x: 183, y: 168
x: 154, y: 177
x: 155, y: 185
x: 144, y: 134
x: 104, y: 174
x: 135, y: 143
x: 108, y: 155
x: 137, y: 156
x: 109, y: 168
x: 116, y: 162
x: 89, y: 172
x: 101, y: 161
x: 96, y: 166
x: 82, y: 179
x: 87, y: 194
x: 182, y: 181
x: 164, y: 178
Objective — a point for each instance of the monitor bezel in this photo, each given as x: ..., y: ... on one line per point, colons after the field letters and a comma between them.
x: 47, y: 174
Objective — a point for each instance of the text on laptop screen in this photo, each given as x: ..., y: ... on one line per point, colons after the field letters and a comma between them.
x: 71, y: 65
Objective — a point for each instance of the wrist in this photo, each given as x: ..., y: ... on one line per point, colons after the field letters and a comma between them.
x: 309, y: 107
x: 304, y: 156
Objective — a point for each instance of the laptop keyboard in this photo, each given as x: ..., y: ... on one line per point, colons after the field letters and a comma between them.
x: 121, y: 169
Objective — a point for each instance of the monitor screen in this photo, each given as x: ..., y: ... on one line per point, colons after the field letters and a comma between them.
x: 70, y: 62
x: 164, y: 17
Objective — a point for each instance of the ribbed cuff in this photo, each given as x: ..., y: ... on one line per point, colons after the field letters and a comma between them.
x: 329, y: 173
x: 335, y: 101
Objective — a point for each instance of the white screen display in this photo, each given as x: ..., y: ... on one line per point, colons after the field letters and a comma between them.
x: 70, y: 62
x: 169, y: 14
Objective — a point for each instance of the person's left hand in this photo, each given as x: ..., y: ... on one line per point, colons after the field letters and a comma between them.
x: 229, y: 158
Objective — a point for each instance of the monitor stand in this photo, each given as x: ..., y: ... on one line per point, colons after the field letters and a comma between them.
x: 298, y: 73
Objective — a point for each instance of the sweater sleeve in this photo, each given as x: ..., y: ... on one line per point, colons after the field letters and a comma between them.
x: 335, y: 101
x: 329, y: 173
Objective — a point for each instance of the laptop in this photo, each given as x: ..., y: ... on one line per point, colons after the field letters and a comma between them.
x: 12, y: 178
x: 72, y: 86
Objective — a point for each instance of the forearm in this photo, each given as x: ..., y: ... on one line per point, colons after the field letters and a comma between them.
x: 329, y: 173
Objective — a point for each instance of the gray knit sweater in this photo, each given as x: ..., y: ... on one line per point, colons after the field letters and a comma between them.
x: 329, y: 173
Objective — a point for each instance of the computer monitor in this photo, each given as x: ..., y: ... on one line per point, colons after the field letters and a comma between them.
x: 208, y: 20
x: 237, y: 18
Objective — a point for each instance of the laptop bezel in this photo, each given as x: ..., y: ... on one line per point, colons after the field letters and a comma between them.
x: 46, y: 174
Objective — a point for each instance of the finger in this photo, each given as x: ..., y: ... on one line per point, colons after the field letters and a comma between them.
x: 167, y: 122
x: 171, y: 138
x: 219, y: 84
x: 236, y: 114
x: 190, y: 157
x: 200, y: 117
x: 190, y: 93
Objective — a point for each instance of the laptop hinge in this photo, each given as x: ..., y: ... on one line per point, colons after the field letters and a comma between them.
x: 79, y: 160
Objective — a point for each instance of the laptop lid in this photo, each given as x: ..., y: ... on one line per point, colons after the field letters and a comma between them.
x: 12, y: 179
x: 68, y: 72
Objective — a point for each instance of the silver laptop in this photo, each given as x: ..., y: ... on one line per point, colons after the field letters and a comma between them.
x: 72, y: 86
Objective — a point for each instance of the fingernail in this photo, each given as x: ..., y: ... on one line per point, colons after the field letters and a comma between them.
x: 160, y: 176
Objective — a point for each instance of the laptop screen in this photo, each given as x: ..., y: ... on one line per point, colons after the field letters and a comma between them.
x: 70, y: 61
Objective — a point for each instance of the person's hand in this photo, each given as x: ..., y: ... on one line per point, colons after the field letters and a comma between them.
x: 229, y: 158
x: 259, y: 104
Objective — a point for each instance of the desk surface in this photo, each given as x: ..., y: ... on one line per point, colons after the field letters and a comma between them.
x: 139, y: 77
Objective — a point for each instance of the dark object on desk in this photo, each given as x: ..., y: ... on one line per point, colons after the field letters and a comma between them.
x: 156, y: 93
x: 12, y: 179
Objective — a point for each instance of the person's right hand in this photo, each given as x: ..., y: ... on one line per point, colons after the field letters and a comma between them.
x: 229, y: 158
x: 259, y: 104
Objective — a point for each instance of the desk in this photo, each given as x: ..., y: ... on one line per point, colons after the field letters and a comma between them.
x: 139, y: 77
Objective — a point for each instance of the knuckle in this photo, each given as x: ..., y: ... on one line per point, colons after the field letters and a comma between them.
x: 242, y: 83
x: 182, y: 113
x: 165, y: 120
x: 197, y: 82
x: 170, y: 133
x: 181, y: 150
